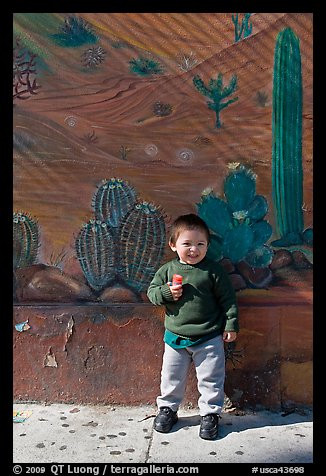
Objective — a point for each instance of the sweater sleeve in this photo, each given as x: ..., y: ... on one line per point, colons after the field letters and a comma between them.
x: 158, y: 291
x: 227, y: 300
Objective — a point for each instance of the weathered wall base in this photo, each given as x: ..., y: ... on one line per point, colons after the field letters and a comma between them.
x: 112, y: 354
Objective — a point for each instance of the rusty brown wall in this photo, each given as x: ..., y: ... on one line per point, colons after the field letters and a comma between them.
x: 111, y: 354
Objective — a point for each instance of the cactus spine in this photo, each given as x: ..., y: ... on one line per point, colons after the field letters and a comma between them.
x: 287, y: 173
x: 25, y: 240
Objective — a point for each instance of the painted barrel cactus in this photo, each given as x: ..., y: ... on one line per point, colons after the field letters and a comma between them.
x: 112, y: 201
x: 142, y: 242
x: 124, y: 242
x: 26, y: 236
x: 287, y: 173
x: 96, y: 254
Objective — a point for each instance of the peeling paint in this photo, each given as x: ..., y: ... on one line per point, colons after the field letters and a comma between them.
x: 49, y: 360
x: 23, y: 326
x: 69, y: 331
x: 70, y: 326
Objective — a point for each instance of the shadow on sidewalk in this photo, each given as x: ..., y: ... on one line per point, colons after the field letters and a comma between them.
x: 233, y: 423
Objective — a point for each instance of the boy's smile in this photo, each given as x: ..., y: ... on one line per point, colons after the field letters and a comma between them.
x: 191, y: 246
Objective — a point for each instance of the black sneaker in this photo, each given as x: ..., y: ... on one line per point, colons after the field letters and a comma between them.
x: 209, y: 426
x: 165, y: 420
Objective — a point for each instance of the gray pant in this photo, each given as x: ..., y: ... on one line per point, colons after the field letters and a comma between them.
x: 209, y: 362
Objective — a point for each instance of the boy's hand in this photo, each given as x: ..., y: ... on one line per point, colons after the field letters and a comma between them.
x: 176, y: 291
x: 229, y: 336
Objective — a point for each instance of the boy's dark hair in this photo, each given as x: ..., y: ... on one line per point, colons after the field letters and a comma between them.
x: 188, y: 222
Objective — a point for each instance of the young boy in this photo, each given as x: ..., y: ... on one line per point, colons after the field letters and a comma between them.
x: 200, y: 315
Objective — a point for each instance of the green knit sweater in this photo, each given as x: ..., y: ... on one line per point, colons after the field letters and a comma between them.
x: 208, y: 302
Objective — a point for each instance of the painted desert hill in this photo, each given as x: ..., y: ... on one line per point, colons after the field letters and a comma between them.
x: 86, y: 125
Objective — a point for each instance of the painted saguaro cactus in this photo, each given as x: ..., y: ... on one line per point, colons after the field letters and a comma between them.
x: 142, y: 242
x: 25, y: 240
x: 287, y: 173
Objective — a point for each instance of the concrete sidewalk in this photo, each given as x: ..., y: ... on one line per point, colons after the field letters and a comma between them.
x: 61, y: 433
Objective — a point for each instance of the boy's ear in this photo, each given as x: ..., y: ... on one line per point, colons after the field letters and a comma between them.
x: 171, y: 245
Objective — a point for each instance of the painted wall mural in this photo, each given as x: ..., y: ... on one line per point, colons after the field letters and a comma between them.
x: 122, y: 121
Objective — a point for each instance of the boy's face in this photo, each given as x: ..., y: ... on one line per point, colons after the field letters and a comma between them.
x: 191, y: 246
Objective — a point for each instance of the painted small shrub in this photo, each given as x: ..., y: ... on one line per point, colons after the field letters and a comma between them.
x: 75, y: 32
x: 93, y: 57
x: 161, y: 109
x: 145, y: 66
x: 187, y: 62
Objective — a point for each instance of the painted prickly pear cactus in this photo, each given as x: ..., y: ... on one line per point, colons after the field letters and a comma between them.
x: 124, y: 242
x: 96, y: 254
x: 26, y: 237
x: 142, y: 242
x: 239, y: 231
x: 287, y: 173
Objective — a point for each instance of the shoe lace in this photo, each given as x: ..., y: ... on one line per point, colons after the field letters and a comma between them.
x: 166, y: 410
x: 210, y: 417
